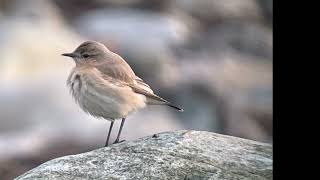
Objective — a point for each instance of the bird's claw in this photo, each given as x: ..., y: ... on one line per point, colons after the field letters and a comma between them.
x: 116, y: 142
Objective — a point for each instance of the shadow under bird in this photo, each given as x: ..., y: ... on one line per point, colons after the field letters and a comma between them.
x: 105, y: 86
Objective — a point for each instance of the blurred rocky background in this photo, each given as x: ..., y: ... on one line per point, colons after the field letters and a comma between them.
x: 214, y: 58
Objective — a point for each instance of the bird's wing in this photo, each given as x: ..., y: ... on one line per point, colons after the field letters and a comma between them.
x: 120, y: 72
x: 141, y: 84
x: 143, y: 88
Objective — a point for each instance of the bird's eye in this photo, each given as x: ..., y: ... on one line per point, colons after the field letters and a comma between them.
x: 85, y: 55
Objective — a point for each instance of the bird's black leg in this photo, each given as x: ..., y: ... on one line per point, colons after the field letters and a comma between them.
x: 119, y: 133
x: 109, y: 133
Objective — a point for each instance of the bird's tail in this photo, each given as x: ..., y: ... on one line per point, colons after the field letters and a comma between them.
x: 175, y: 107
x: 153, y: 99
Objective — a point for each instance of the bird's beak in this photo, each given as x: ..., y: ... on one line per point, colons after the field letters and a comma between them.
x: 69, y: 55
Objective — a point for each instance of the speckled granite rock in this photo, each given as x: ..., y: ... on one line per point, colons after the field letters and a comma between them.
x: 171, y: 155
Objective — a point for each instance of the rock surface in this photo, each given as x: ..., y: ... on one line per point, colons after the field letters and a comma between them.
x: 172, y: 155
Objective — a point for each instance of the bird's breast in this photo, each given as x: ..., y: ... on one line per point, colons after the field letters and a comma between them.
x: 102, y: 98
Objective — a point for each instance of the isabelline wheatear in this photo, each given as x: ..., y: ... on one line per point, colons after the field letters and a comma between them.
x: 104, y: 85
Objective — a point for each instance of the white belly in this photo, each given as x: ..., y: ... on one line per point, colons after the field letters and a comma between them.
x: 105, y: 100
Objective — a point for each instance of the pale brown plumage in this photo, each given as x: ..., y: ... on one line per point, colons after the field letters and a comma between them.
x: 104, y: 85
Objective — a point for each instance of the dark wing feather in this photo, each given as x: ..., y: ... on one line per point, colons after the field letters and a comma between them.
x: 151, y: 97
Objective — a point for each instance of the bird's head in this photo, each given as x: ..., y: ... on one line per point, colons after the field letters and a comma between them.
x: 89, y: 51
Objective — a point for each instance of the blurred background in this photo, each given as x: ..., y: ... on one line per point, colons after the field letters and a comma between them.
x: 213, y: 58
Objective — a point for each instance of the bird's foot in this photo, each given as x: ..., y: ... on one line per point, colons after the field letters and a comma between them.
x: 155, y: 136
x: 117, y: 141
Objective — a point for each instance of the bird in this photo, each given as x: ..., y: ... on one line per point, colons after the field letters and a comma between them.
x: 104, y: 85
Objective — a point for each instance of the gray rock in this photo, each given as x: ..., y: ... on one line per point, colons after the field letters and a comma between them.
x: 171, y: 155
